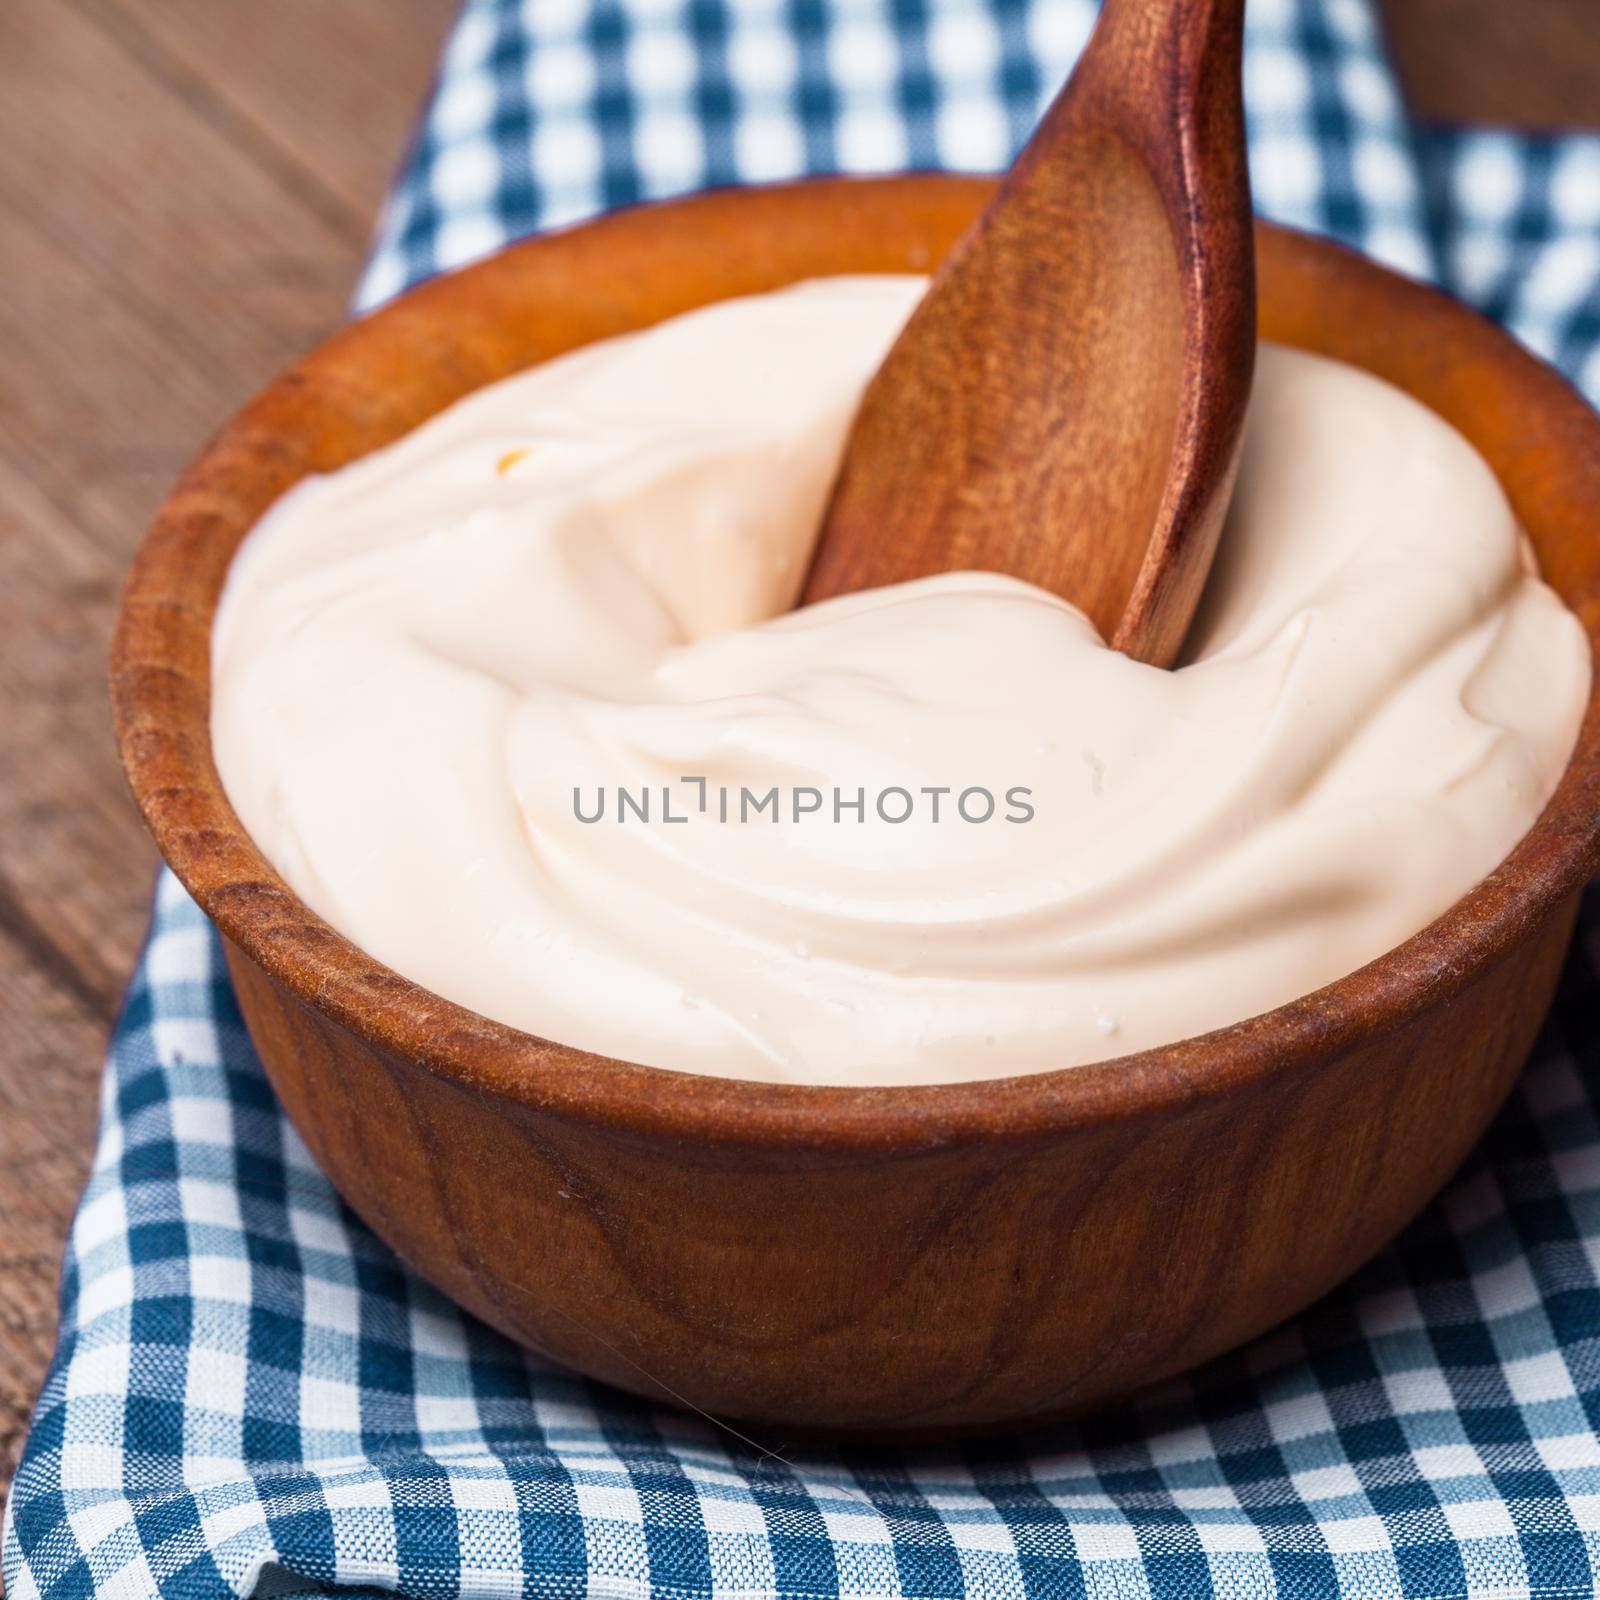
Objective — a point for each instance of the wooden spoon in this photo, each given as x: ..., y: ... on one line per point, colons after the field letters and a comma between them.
x: 1066, y: 405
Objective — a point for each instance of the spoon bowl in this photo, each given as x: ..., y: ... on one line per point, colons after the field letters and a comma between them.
x: 1067, y: 403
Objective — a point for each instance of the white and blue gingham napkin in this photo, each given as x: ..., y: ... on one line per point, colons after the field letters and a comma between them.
x: 253, y: 1397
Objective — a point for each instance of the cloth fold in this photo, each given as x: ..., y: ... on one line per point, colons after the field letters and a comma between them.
x: 251, y: 1396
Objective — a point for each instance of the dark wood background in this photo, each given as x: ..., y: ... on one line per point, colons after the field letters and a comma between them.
x: 186, y: 191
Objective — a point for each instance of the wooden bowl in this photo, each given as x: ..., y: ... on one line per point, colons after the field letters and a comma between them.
x: 894, y: 1262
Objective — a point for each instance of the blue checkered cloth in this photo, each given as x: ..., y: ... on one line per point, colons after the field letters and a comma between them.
x: 253, y: 1397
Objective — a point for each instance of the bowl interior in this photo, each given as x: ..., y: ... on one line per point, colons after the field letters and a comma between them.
x: 387, y: 373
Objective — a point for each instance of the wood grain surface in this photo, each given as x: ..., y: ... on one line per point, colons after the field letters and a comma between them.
x: 186, y: 193
x: 186, y: 188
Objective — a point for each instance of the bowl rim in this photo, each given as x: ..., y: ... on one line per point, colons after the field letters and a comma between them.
x: 160, y: 691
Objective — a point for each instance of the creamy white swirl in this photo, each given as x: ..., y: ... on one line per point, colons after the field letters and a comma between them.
x: 578, y: 583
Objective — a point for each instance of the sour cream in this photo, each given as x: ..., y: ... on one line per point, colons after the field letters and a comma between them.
x: 521, y: 706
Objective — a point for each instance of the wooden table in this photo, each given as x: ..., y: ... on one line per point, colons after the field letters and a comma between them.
x: 186, y: 191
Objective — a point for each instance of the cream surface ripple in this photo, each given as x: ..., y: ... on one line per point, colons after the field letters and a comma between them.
x: 579, y: 582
